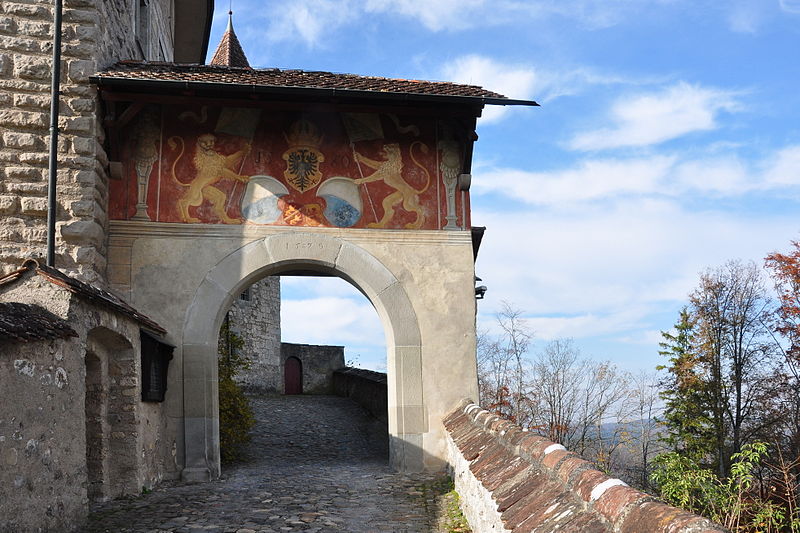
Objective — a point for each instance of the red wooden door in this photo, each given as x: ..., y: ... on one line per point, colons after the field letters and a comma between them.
x: 293, y: 376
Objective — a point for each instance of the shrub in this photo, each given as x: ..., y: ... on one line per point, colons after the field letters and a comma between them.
x: 732, y: 501
x: 235, y: 414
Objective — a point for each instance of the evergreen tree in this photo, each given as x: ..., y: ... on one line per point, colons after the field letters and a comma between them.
x: 685, y: 393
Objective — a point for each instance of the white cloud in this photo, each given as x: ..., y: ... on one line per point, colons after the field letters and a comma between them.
x: 612, y: 242
x: 449, y: 15
x: 606, y: 269
x: 790, y: 6
x: 668, y: 175
x: 514, y: 81
x: 524, y: 82
x: 653, y: 118
x: 783, y: 169
x: 746, y: 16
x: 589, y: 180
x: 330, y: 320
x: 586, y: 325
x: 436, y: 16
x: 649, y: 337
x: 308, y: 21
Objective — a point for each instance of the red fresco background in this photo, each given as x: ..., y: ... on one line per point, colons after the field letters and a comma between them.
x: 269, y: 141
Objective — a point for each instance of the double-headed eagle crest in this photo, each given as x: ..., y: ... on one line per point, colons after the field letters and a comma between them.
x: 303, y: 156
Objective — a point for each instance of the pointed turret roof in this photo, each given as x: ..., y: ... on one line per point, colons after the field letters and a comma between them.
x: 229, y: 52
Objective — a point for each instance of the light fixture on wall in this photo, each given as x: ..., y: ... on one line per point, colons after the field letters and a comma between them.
x: 480, y: 290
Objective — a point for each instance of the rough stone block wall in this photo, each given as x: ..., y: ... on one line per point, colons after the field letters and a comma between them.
x: 319, y: 363
x: 256, y: 318
x: 44, y: 465
x: 42, y: 458
x: 95, y: 34
x: 512, y: 480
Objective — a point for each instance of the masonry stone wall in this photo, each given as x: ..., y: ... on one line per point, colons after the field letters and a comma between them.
x: 365, y: 387
x: 255, y: 316
x: 95, y: 34
x: 53, y: 413
x: 318, y: 364
x: 42, y: 460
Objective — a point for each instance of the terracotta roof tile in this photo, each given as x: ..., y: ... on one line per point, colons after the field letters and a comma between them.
x: 229, y: 51
x: 273, y: 77
x: 89, y: 292
x: 557, y: 490
x: 25, y: 323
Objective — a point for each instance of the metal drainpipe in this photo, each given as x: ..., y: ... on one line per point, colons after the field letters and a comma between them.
x: 54, y: 100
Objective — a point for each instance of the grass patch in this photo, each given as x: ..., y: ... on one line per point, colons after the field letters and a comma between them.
x: 441, y: 501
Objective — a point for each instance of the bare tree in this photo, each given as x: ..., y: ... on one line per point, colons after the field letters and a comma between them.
x: 502, y: 365
x: 732, y: 312
x: 580, y: 403
x: 644, y: 427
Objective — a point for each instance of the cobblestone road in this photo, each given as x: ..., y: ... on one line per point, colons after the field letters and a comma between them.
x: 316, y: 464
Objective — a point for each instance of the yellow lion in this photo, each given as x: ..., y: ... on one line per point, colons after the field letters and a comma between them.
x: 211, y: 168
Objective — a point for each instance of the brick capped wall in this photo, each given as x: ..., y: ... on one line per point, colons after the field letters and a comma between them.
x: 95, y: 34
x: 512, y: 480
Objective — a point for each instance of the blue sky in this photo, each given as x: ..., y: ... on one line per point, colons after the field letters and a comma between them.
x: 668, y: 142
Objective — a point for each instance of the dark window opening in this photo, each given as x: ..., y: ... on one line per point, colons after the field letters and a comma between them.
x: 156, y: 355
x: 245, y: 295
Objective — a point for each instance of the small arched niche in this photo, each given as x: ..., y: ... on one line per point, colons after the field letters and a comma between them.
x: 110, y: 410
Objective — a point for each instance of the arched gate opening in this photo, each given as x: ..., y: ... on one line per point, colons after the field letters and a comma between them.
x: 326, y: 255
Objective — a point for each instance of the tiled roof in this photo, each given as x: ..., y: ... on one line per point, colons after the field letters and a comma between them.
x: 212, y: 74
x: 25, y: 323
x: 229, y: 51
x: 93, y: 294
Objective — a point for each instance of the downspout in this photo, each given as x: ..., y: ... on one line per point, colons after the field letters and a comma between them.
x: 54, y: 98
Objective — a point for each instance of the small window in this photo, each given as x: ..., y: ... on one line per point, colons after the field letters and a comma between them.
x: 156, y: 355
x: 245, y: 296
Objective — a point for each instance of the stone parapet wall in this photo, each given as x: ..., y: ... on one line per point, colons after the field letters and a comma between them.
x: 512, y: 480
x: 366, y: 388
x: 255, y: 317
x: 95, y: 34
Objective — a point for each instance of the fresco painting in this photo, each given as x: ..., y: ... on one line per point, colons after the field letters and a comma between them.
x: 251, y: 166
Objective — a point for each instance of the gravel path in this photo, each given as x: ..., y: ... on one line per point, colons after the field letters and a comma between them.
x: 315, y: 464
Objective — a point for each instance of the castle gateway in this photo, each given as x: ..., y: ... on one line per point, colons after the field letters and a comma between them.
x: 223, y: 175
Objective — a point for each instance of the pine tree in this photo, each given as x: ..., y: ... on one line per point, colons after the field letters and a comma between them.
x: 685, y: 393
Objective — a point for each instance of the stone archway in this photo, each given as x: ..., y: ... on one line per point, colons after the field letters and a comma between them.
x: 314, y: 252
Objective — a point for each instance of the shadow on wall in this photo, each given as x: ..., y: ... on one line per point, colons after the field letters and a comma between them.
x: 367, y: 389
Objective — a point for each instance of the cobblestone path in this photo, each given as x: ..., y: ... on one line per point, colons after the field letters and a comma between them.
x: 315, y: 464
